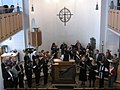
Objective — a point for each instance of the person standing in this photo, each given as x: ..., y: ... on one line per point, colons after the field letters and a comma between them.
x: 54, y: 50
x: 37, y: 70
x: 62, y: 47
x: 116, y: 64
x: 92, y: 74
x: 26, y: 59
x: 28, y: 72
x: 96, y: 55
x: 15, y: 75
x: 3, y: 67
x: 101, y: 75
x: 83, y: 70
x: 8, y: 78
x: 19, y: 68
x: 66, y: 54
x: 45, y: 69
x: 111, y: 75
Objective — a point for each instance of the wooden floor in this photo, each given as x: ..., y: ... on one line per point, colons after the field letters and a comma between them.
x: 76, y: 87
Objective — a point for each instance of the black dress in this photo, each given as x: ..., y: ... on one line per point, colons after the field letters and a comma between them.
x: 92, y: 76
x: 82, y: 74
x: 8, y: 79
x: 20, y: 75
x: 28, y: 72
x: 37, y: 70
x: 45, y: 71
x: 66, y: 55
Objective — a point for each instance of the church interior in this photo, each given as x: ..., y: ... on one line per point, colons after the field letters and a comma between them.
x: 59, y: 44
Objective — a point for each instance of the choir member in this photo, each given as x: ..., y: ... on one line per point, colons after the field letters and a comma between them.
x: 66, y: 54
x: 45, y: 69
x: 19, y: 68
x: 26, y: 59
x: 83, y: 70
x: 102, y: 72
x: 8, y: 78
x: 28, y: 72
x: 62, y: 47
x: 116, y: 64
x: 111, y: 75
x: 92, y: 73
x: 15, y: 75
x: 37, y: 70
x: 54, y: 50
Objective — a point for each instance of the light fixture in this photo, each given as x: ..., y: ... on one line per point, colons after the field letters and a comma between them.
x: 18, y: 8
x: 96, y: 8
x: 56, y: 1
x: 102, y: 44
x: 10, y: 38
x: 47, y: 1
x: 32, y: 9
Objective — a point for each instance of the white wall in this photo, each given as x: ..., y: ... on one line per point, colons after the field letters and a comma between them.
x: 111, y: 38
x: 84, y: 23
x: 17, y: 42
x: 112, y: 42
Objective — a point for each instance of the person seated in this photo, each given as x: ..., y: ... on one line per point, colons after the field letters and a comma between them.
x: 6, y: 8
x: 2, y: 10
x: 11, y: 9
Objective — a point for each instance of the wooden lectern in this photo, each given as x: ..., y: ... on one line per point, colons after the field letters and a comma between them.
x: 63, y: 73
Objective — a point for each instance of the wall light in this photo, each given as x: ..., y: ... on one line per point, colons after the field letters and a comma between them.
x: 47, y: 1
x: 96, y: 8
x: 80, y: 0
x: 56, y: 1
x: 18, y: 8
x: 71, y: 1
x: 10, y: 38
x: 32, y: 9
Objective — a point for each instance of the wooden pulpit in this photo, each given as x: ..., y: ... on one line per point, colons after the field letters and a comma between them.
x: 35, y: 38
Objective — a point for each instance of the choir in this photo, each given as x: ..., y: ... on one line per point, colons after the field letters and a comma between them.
x: 90, y: 61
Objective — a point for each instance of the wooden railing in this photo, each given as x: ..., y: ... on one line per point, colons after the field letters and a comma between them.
x: 10, y: 23
x: 114, y: 20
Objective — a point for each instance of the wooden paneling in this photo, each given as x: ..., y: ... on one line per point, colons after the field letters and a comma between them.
x: 10, y: 23
x: 3, y: 27
x: 109, y: 19
x: 15, y: 23
x: 7, y: 25
x: 20, y: 21
x: 114, y: 20
x: 0, y: 28
x: 113, y: 14
x: 119, y: 21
